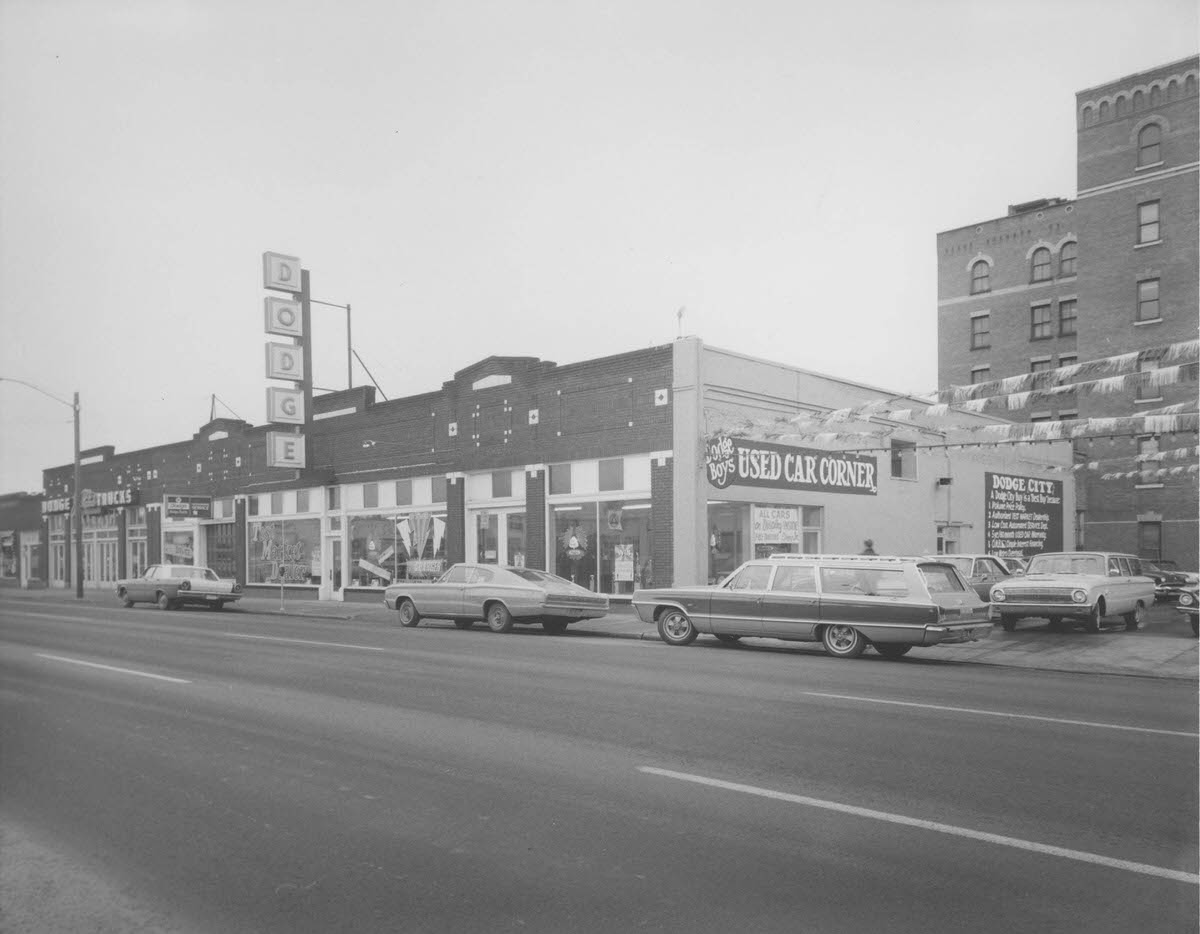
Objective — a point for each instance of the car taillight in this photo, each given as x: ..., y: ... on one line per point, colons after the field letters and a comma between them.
x: 237, y: 588
x: 185, y: 585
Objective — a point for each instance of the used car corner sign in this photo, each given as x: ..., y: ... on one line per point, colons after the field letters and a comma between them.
x: 758, y: 463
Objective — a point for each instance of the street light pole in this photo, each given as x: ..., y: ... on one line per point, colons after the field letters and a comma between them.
x: 77, y: 509
x: 76, y: 505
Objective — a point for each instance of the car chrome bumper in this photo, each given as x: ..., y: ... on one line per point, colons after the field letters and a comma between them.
x: 949, y: 633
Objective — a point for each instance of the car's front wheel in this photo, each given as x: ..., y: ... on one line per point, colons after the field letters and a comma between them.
x: 125, y: 601
x: 499, y: 619
x: 891, y: 650
x: 674, y: 628
x: 407, y: 610
x: 843, y: 641
x: 1135, y: 620
x: 163, y: 601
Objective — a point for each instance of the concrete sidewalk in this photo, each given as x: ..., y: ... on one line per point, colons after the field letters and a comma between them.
x: 1164, y: 649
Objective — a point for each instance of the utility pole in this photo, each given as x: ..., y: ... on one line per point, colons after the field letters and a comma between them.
x: 77, y: 509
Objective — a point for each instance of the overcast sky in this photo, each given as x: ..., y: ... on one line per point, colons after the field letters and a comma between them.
x: 549, y: 179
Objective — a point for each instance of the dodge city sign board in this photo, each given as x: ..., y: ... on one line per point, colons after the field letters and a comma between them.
x: 757, y: 463
x: 1024, y: 515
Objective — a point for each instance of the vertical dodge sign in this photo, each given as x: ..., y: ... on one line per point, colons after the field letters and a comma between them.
x: 1023, y: 515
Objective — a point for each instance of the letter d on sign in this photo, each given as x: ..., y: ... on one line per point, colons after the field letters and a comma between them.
x: 281, y: 272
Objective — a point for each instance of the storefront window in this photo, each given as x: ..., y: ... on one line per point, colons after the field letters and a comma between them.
x: 220, y: 542
x: 741, y: 531
x: 624, y: 546
x: 603, y: 546
x: 8, y: 554
x: 388, y: 548
x: 284, y: 551
x: 179, y: 547
x: 573, y: 533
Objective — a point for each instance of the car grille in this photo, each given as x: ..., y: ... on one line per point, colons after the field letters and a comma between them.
x: 1016, y: 595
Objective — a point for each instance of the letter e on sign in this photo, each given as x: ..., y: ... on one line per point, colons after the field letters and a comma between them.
x: 283, y: 316
x: 285, y: 450
x: 281, y: 272
x: 285, y: 405
x: 285, y: 361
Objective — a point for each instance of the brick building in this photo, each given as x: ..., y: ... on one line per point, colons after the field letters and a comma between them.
x: 601, y: 471
x: 1060, y: 282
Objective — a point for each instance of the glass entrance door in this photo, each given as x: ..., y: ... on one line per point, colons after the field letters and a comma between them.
x: 500, y: 537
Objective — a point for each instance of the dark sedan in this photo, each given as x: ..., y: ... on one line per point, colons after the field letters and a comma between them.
x: 502, y: 596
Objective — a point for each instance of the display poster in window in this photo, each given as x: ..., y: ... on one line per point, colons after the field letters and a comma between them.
x: 623, y: 561
x: 775, y: 525
x: 1023, y: 515
x: 729, y: 461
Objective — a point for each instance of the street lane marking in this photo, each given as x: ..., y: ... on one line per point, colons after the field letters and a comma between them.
x: 124, y: 671
x: 1000, y: 713
x: 332, y: 645
x: 1079, y: 855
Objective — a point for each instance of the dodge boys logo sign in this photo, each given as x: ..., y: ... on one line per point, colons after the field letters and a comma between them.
x: 757, y: 463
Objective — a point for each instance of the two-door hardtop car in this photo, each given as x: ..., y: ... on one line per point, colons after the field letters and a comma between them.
x: 500, y: 595
x: 981, y: 571
x: 843, y: 601
x: 1169, y: 582
x: 173, y: 585
x: 1080, y: 586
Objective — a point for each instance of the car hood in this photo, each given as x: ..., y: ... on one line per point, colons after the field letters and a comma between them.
x: 1059, y: 580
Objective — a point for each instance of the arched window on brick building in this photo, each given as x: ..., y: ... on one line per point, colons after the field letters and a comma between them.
x: 1150, y: 145
x: 981, y: 274
x: 1040, y: 266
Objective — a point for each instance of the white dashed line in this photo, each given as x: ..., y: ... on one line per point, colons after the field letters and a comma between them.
x: 1030, y: 846
x: 1001, y: 713
x: 123, y: 671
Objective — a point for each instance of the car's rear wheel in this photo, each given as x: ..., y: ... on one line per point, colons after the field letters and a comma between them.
x: 1091, y: 622
x: 1135, y: 620
x: 1008, y: 621
x: 163, y: 601
x: 125, y: 601
x: 727, y: 639
x: 842, y: 641
x: 464, y: 623
x: 498, y: 618
x: 891, y: 650
x: 407, y: 610
x: 554, y: 626
x: 674, y: 628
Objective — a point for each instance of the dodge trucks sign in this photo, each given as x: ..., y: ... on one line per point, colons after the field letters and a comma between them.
x: 757, y: 463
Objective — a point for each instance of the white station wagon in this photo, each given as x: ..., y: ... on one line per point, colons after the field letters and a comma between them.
x: 1080, y: 586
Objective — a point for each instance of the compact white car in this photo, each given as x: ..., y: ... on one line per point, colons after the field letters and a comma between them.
x: 1080, y: 586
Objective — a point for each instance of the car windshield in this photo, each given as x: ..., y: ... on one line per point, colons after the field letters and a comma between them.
x: 1067, y: 564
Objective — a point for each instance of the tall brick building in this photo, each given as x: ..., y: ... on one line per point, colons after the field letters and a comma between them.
x: 1059, y: 282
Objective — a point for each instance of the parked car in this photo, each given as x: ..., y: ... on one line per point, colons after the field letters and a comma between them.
x: 1015, y: 565
x: 174, y: 585
x: 1189, y: 606
x: 981, y: 571
x: 1080, y: 586
x: 499, y: 595
x: 845, y: 602
x: 1168, y: 584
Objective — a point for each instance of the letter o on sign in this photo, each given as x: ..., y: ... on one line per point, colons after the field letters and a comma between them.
x: 283, y: 316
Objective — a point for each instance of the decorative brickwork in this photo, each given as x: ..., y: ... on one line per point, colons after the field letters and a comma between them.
x: 535, y: 519
x: 662, y: 524
x: 456, y: 520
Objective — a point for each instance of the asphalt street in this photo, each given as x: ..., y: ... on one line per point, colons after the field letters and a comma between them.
x: 250, y: 771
